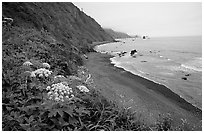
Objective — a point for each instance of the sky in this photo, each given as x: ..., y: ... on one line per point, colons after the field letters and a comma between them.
x: 149, y: 18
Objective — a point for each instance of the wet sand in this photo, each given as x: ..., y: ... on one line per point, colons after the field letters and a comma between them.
x: 150, y: 101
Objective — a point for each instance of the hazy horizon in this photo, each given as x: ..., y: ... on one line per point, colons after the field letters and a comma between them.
x: 150, y: 18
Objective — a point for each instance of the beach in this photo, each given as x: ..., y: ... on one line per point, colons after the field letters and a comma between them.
x: 147, y: 99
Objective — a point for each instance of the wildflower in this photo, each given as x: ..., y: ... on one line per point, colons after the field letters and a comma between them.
x: 57, y: 99
x: 46, y: 65
x: 61, y: 97
x: 83, y: 88
x: 48, y: 88
x: 41, y: 72
x: 41, y: 75
x: 27, y: 63
x: 56, y: 94
x: 59, y: 76
x: 60, y: 91
x: 32, y: 74
x: 49, y: 93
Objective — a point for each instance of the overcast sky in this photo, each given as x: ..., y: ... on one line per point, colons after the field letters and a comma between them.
x: 153, y: 19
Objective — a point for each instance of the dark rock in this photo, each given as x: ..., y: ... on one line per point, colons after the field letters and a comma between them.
x: 188, y: 74
x: 184, y: 78
x: 143, y: 61
x: 133, y: 52
x: 122, y: 53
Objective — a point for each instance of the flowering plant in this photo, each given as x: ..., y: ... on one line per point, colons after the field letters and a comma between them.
x: 41, y: 72
x: 46, y: 65
x: 27, y: 63
x: 83, y: 88
x: 60, y: 92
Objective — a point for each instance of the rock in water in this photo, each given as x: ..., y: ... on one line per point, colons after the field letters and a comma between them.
x: 133, y: 52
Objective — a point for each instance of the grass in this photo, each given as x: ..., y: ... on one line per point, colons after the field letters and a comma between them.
x: 25, y: 104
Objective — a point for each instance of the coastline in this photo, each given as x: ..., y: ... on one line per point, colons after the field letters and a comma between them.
x: 166, y: 86
x: 93, y: 44
x: 189, y: 88
x: 143, y: 96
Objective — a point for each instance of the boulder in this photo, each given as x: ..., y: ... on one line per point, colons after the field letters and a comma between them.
x: 188, y: 74
x: 133, y: 52
x: 184, y: 78
x: 122, y: 53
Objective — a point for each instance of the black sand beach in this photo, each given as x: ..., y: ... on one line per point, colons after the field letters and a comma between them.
x: 148, y: 100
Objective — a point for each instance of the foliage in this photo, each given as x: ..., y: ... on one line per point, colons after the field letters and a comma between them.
x: 29, y: 107
x: 33, y: 61
x: 63, y: 20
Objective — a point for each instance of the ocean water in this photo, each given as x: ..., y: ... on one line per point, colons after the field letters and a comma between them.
x: 175, y: 62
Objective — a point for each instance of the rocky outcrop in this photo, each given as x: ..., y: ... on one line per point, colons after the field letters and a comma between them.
x: 133, y: 52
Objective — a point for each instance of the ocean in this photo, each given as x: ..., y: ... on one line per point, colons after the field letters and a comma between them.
x: 175, y: 62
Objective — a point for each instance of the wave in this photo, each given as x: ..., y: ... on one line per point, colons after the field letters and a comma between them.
x: 141, y: 74
x: 195, y: 64
x: 192, y: 68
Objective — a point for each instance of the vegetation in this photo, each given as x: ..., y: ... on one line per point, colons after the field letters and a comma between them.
x: 44, y: 101
x: 116, y: 34
x: 44, y: 84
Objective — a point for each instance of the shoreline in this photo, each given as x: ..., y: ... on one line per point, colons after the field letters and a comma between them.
x: 163, y: 89
x: 115, y: 65
x: 156, y: 82
x: 150, y: 97
x: 94, y: 44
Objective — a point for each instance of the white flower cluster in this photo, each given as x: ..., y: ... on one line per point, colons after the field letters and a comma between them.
x: 60, y: 91
x: 41, y: 72
x: 27, y: 63
x: 83, y: 88
x: 46, y: 65
x: 59, y: 76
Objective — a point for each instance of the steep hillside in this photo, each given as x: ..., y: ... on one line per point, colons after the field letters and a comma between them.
x: 63, y: 20
x: 56, y: 33
x: 116, y: 34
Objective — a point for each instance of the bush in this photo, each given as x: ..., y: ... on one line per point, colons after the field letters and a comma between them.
x: 29, y: 99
